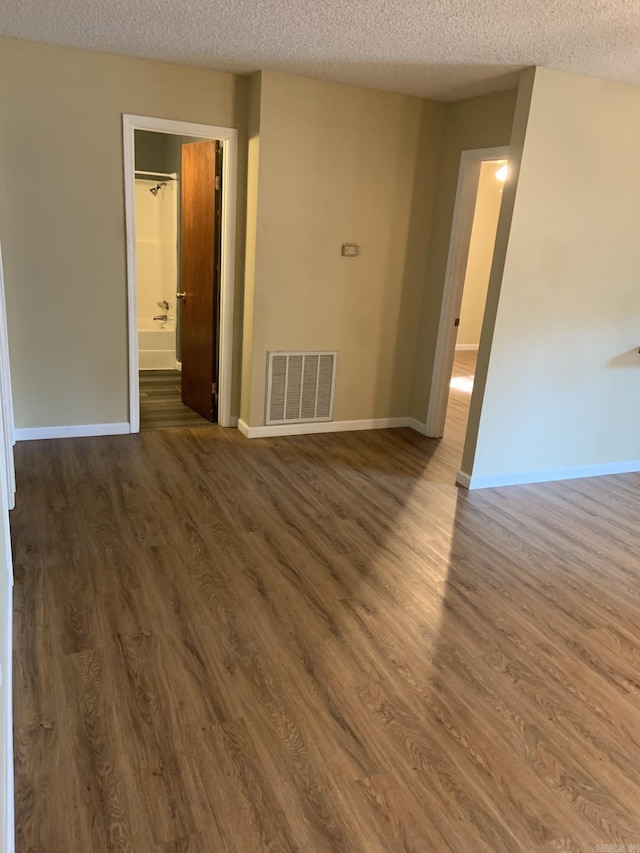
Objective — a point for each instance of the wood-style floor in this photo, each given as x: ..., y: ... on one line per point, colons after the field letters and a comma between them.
x: 320, y: 644
x: 463, y: 374
x: 161, y: 405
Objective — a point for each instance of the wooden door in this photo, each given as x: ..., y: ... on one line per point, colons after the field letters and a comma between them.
x: 199, y: 274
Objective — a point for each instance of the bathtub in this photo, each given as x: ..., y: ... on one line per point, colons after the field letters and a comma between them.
x: 157, y: 345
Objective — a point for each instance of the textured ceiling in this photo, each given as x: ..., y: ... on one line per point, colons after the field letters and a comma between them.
x: 444, y: 50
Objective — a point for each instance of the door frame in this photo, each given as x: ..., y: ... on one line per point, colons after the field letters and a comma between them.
x: 228, y: 137
x: 462, y: 223
x: 6, y: 398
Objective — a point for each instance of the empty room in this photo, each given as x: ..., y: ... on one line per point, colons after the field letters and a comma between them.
x: 319, y: 405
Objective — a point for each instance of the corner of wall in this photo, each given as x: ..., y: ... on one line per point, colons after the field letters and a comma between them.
x: 254, y: 97
x: 481, y: 122
x: 516, y: 146
x: 433, y: 131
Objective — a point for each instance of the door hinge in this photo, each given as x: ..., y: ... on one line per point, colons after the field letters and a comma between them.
x: 218, y: 183
x: 456, y: 322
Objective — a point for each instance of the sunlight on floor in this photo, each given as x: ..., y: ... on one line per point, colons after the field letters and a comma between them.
x: 462, y: 383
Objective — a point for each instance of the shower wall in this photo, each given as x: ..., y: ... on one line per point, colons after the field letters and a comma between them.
x: 162, y: 152
x: 157, y: 270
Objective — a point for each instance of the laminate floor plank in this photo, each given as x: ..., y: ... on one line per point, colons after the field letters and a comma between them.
x: 319, y: 643
x: 96, y: 756
x: 195, y: 843
x: 161, y: 405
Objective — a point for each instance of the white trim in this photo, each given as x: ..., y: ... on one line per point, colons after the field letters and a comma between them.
x: 488, y: 481
x: 6, y: 398
x: 7, y: 672
x: 6, y: 662
x: 77, y: 431
x: 463, y: 480
x: 128, y: 142
x: 467, y: 347
x: 327, y: 426
x: 229, y: 138
x: 227, y: 274
x: 418, y: 426
x: 466, y: 193
x: 233, y: 421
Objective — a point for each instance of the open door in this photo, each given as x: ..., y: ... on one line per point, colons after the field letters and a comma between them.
x: 200, y: 274
x: 471, y: 163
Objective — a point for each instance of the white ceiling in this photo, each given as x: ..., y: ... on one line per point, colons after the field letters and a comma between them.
x: 444, y: 49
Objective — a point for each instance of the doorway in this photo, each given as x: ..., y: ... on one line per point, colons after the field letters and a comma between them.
x: 180, y: 194
x: 479, y: 196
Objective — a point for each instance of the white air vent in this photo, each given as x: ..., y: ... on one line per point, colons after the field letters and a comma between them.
x: 300, y: 386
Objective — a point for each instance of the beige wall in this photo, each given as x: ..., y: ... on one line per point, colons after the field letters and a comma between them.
x: 254, y: 92
x: 483, y: 122
x: 62, y: 217
x: 341, y: 164
x: 329, y: 164
x: 563, y: 380
x: 481, y: 244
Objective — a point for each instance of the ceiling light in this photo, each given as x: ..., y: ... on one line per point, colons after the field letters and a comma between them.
x: 502, y: 172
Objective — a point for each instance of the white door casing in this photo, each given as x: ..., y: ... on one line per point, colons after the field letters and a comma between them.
x: 229, y: 138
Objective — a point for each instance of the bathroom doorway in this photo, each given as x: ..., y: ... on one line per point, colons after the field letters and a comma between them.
x: 177, y: 211
x: 479, y: 196
x: 180, y: 200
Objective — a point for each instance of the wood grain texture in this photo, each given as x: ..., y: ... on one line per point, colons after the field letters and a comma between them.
x: 318, y: 643
x: 161, y: 405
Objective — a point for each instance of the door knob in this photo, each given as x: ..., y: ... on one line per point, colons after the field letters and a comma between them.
x: 182, y: 295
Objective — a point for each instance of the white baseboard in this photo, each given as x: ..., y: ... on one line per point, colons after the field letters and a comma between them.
x: 76, y: 431
x: 469, y: 347
x: 488, y: 481
x: 233, y: 421
x: 324, y: 426
x: 463, y: 480
x: 418, y: 426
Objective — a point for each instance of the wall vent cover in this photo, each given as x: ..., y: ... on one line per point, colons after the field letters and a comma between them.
x: 300, y: 386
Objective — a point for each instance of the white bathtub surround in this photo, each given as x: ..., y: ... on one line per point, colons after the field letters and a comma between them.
x: 157, y: 345
x: 156, y: 271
